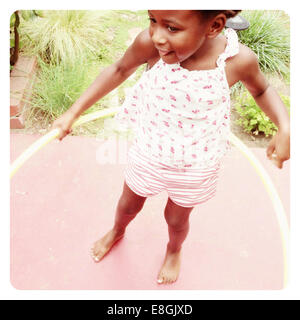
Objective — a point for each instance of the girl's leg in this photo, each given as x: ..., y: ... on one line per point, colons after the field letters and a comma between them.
x: 177, y: 218
x: 128, y: 207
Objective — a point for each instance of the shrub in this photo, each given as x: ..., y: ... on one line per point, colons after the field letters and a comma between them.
x: 268, y: 37
x: 58, y: 36
x: 252, y: 118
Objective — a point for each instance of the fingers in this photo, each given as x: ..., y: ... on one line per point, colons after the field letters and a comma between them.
x: 277, y: 161
x: 64, y: 132
x: 63, y: 129
x: 279, y: 164
x: 271, y: 148
x: 277, y: 158
x: 270, y: 152
x: 272, y: 155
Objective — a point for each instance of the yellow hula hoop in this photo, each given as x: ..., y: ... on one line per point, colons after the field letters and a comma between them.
x: 277, y: 204
x: 53, y: 134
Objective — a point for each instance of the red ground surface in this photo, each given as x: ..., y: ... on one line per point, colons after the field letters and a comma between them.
x: 64, y: 198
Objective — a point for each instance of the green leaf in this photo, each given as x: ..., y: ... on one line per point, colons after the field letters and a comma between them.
x: 252, y: 118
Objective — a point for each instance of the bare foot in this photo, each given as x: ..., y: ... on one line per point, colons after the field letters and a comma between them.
x: 103, y: 245
x: 170, y: 269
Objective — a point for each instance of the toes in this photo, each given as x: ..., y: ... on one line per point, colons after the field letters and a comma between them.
x: 172, y: 280
x: 94, y: 256
x: 161, y: 279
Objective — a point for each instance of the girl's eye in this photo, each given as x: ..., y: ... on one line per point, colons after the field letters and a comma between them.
x: 172, y: 29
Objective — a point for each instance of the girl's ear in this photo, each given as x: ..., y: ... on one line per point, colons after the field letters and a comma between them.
x: 217, y: 24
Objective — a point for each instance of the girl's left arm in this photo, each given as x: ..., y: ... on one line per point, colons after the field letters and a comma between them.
x: 270, y: 103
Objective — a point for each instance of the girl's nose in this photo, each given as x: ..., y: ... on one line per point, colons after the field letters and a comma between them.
x: 158, y: 37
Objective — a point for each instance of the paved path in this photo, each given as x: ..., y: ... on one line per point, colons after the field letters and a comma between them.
x: 64, y: 198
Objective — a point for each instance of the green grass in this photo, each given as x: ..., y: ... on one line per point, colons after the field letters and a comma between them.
x: 61, y: 81
x: 60, y: 36
x: 120, y: 21
x: 268, y: 37
x: 59, y: 86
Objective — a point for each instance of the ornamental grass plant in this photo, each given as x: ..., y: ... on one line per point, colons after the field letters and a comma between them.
x: 66, y: 70
x: 268, y: 36
x: 58, y: 86
x: 58, y: 36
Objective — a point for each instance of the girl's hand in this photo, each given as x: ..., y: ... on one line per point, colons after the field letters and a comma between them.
x: 278, y: 150
x: 64, y: 123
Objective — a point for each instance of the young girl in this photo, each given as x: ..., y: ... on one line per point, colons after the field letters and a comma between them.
x: 180, y: 111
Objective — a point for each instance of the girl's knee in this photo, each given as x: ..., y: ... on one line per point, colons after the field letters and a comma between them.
x: 177, y: 217
x: 177, y: 223
x: 129, y: 202
x: 127, y: 206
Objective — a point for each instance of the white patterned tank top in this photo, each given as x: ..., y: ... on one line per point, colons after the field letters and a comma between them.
x: 181, y: 117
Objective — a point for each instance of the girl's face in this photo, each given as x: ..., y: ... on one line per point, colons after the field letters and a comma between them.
x: 177, y: 34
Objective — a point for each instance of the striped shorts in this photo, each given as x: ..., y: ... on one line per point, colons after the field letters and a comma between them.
x: 186, y: 187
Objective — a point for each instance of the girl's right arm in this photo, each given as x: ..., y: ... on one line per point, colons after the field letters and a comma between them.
x: 141, y: 50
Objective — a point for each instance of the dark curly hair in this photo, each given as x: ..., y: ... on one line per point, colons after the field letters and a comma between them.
x: 211, y: 13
